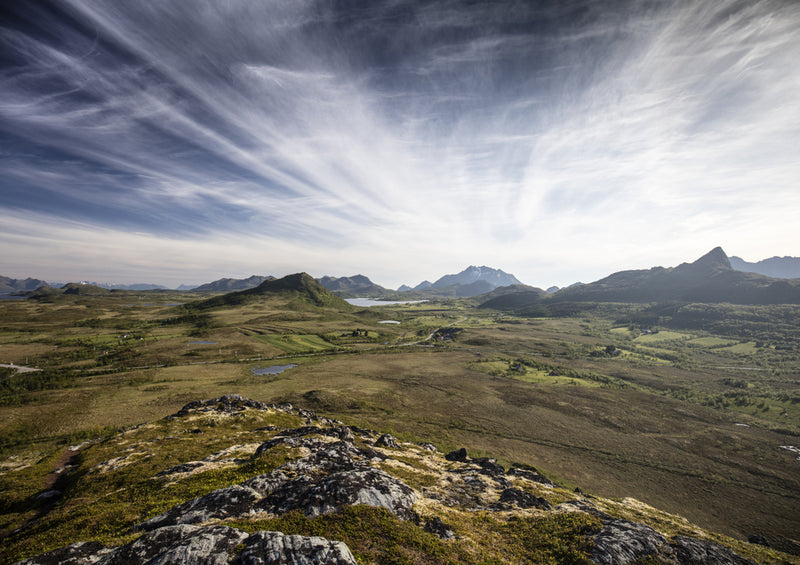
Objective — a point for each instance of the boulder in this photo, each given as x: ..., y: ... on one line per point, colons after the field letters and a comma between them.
x: 437, y: 527
x: 387, y: 440
x: 522, y: 499
x: 621, y: 541
x: 178, y: 545
x: 457, y: 455
x: 266, y: 548
x: 369, y: 486
x: 691, y: 551
x: 490, y: 466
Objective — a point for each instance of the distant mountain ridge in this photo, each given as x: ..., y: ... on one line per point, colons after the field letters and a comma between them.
x: 472, y: 281
x: 473, y: 274
x: 227, y: 284
x: 9, y: 285
x: 708, y: 279
x: 777, y: 267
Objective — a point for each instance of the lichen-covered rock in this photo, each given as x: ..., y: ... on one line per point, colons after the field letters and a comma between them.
x: 324, y: 481
x: 522, y: 499
x: 208, y: 545
x: 691, y: 551
x: 266, y: 548
x: 235, y: 500
x: 369, y: 486
x: 179, y: 545
x: 621, y: 541
x: 387, y: 440
x: 229, y: 403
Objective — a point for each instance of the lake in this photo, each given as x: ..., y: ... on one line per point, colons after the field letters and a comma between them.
x: 272, y: 370
x: 367, y: 302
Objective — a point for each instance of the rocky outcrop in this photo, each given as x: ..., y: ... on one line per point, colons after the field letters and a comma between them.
x: 621, y: 542
x: 266, y: 548
x: 691, y: 551
x: 329, y: 467
x: 333, y: 475
x: 210, y: 545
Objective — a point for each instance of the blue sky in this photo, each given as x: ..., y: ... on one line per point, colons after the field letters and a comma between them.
x: 183, y: 141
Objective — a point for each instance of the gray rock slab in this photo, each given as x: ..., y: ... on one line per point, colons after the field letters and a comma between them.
x: 266, y: 548
x: 235, y: 500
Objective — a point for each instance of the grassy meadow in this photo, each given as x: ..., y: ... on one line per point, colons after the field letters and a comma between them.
x: 687, y: 419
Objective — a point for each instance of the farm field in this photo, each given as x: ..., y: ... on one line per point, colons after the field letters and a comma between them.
x: 696, y: 422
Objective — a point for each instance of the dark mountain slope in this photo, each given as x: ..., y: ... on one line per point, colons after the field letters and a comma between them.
x: 709, y: 279
x: 511, y: 297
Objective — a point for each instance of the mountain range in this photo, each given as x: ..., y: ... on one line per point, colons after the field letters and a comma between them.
x: 712, y: 278
x: 8, y: 285
x: 777, y: 267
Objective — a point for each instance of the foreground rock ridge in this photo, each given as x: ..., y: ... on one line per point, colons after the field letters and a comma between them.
x: 324, y: 467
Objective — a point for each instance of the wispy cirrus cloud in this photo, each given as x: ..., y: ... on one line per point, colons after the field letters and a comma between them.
x: 403, y: 139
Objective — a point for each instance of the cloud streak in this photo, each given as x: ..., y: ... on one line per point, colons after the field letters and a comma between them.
x: 400, y: 139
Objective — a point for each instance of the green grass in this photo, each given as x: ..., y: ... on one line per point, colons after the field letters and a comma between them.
x: 662, y: 335
x: 710, y: 341
x: 294, y: 343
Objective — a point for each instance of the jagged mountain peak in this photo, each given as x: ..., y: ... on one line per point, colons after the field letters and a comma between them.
x: 472, y: 274
x: 714, y: 258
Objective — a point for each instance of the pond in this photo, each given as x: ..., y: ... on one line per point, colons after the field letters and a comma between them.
x: 272, y: 370
x: 203, y: 342
x: 367, y: 302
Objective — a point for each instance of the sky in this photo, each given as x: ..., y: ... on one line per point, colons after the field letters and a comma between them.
x: 181, y: 141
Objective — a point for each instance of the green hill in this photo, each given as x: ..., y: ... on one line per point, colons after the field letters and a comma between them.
x: 299, y: 286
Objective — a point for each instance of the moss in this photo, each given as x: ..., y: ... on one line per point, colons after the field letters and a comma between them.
x: 555, y: 538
